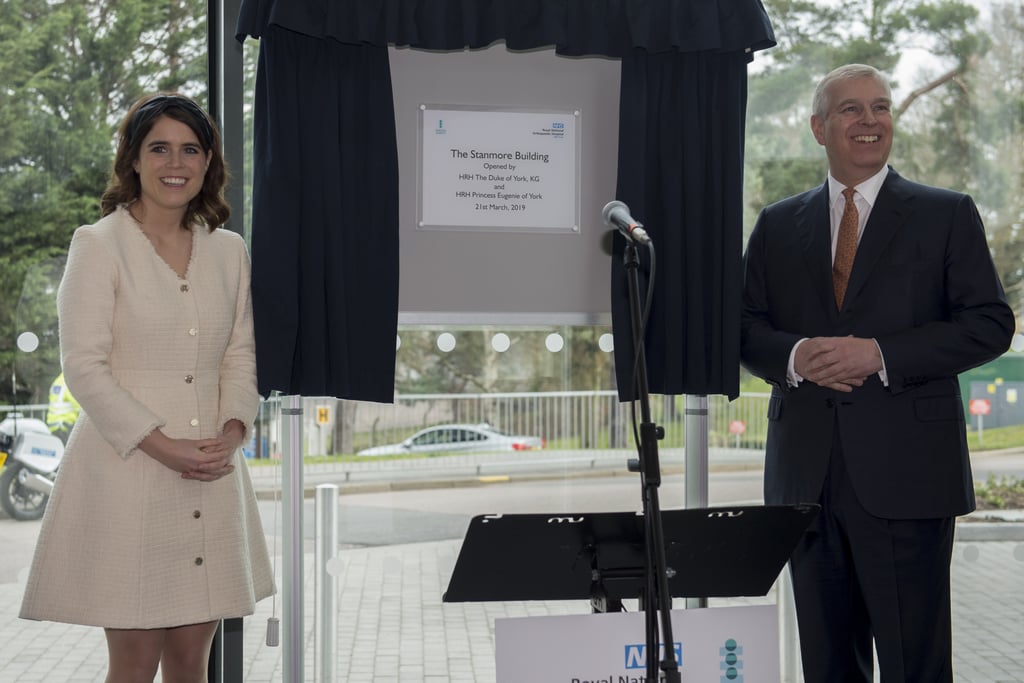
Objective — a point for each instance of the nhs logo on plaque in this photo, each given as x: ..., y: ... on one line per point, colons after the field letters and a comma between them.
x: 555, y: 130
x: 636, y: 655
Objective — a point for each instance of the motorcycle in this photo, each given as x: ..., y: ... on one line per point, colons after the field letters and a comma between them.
x: 30, y: 456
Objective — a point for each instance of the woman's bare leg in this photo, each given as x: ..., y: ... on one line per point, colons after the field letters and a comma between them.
x: 134, y: 654
x: 182, y: 653
x: 186, y: 653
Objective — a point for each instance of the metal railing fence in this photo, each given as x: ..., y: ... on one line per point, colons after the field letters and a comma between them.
x: 33, y: 410
x: 566, y: 420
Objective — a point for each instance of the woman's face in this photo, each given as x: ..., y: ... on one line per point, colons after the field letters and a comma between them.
x: 171, y: 165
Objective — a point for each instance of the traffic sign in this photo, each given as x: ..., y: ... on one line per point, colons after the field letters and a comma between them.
x: 737, y: 427
x: 980, y: 406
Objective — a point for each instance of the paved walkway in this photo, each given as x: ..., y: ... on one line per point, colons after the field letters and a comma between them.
x: 392, y: 625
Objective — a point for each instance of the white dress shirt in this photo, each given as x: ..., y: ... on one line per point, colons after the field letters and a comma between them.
x: 865, y: 194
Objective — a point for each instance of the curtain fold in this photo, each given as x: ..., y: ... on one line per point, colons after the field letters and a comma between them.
x: 325, y: 194
x: 575, y: 27
x: 681, y: 136
x: 325, y: 219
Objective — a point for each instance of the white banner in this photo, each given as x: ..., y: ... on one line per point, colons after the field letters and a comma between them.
x: 482, y: 169
x: 716, y: 645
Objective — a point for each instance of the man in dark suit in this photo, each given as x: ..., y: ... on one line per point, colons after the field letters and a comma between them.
x: 863, y: 300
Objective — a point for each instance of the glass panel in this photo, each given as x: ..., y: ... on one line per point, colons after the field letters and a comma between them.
x: 71, y: 70
x: 68, y: 72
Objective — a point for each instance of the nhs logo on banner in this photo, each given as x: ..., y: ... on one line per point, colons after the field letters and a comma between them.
x: 723, y: 645
x: 636, y: 655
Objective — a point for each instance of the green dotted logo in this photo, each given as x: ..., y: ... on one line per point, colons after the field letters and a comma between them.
x: 731, y: 664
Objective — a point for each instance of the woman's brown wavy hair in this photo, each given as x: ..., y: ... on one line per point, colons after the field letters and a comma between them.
x: 208, y: 207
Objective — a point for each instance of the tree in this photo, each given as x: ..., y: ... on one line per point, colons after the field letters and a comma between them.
x: 70, y: 70
x: 813, y: 38
x: 1000, y: 181
x: 526, y: 365
x: 958, y: 108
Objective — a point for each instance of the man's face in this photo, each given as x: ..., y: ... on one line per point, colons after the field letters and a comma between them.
x: 857, y: 129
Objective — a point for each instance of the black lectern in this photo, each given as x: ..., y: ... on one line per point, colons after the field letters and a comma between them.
x: 710, y: 552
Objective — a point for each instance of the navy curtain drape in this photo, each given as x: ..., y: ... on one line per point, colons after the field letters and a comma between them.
x: 325, y: 271
x: 325, y: 218
x: 681, y: 132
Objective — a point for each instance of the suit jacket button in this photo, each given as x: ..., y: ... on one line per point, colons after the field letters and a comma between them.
x: 829, y: 403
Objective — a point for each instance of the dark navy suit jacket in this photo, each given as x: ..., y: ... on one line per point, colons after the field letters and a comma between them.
x: 924, y: 286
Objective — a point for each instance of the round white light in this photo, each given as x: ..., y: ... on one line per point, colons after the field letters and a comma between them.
x: 446, y: 341
x: 554, y: 342
x: 606, y: 343
x: 500, y: 342
x: 28, y: 342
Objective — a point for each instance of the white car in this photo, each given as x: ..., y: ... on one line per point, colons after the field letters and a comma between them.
x: 458, y: 438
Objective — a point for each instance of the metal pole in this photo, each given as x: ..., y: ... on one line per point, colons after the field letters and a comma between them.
x: 326, y: 585
x: 225, y: 665
x: 696, y: 425
x: 291, y: 504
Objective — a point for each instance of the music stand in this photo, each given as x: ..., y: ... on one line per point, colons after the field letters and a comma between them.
x: 710, y: 552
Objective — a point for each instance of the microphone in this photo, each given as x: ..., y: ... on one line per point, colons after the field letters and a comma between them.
x: 616, y: 215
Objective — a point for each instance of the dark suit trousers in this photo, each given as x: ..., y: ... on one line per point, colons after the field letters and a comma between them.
x: 856, y: 576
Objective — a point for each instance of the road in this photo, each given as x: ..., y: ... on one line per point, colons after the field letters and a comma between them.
x: 436, y: 514
x: 418, y: 515
x: 413, y: 516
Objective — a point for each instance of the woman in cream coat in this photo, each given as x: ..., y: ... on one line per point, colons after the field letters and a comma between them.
x: 152, y: 531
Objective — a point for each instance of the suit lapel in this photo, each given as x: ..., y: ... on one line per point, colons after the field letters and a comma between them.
x: 891, y: 210
x: 813, y: 228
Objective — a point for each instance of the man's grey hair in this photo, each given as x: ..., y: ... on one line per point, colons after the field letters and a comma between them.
x: 820, y: 105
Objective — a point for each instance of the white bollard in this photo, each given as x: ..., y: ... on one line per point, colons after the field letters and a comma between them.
x: 326, y: 583
x: 696, y: 455
x: 789, y: 637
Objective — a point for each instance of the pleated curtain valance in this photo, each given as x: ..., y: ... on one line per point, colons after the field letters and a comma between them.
x: 574, y: 27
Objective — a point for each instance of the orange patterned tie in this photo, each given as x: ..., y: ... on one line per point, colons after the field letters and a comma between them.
x: 846, y: 247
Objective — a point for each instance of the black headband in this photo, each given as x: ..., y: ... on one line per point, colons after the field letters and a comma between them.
x: 159, y: 104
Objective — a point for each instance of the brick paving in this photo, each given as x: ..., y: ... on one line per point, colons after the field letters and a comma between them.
x: 392, y: 625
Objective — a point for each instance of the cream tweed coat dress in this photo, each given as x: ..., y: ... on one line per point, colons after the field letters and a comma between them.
x: 126, y: 542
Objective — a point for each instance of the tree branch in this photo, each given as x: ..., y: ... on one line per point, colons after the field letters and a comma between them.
x: 927, y: 88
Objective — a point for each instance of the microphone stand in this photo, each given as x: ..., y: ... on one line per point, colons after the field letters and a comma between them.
x: 656, y: 598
